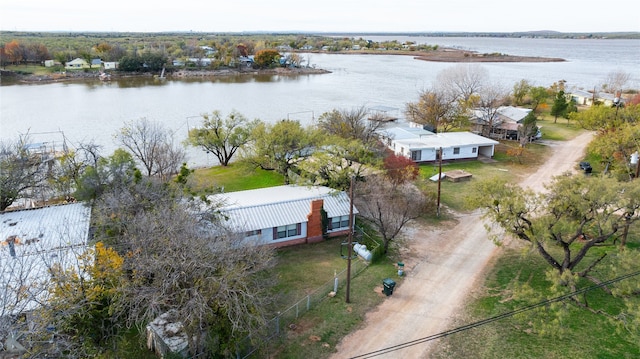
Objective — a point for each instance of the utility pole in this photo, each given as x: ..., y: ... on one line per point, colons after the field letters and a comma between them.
x: 439, y: 179
x: 350, y: 248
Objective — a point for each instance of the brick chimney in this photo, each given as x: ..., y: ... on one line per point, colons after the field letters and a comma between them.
x: 314, y: 222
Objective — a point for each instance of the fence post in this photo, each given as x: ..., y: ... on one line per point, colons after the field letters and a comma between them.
x: 308, y: 302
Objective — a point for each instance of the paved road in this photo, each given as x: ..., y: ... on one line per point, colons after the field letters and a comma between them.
x: 442, y: 268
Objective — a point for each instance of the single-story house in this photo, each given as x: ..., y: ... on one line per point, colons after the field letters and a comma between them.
x: 31, y: 242
x: 286, y: 215
x: 421, y: 145
x: 77, y: 63
x: 200, y: 61
x: 504, y: 125
x: 586, y: 98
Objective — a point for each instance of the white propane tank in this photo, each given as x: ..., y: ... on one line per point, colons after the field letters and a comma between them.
x: 362, y: 251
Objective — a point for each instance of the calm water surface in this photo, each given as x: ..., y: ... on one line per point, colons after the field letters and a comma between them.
x: 95, y: 110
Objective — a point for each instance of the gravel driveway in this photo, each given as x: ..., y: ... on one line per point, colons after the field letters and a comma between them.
x: 443, y: 267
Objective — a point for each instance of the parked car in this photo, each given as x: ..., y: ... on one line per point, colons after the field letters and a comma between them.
x: 586, y: 167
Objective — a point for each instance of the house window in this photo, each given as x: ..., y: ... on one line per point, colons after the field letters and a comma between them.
x: 339, y: 222
x: 257, y: 232
x: 416, y: 155
x: 474, y: 150
x: 456, y: 150
x: 287, y: 231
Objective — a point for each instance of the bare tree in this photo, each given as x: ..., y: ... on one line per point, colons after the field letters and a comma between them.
x: 488, y: 102
x: 187, y: 264
x: 615, y: 81
x: 20, y: 171
x: 388, y: 206
x: 350, y: 124
x: 152, y: 145
x: 462, y: 81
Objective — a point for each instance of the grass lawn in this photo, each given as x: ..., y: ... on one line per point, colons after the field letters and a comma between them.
x: 584, y: 334
x: 559, y: 131
x: 452, y: 194
x: 235, y: 177
x: 315, y: 334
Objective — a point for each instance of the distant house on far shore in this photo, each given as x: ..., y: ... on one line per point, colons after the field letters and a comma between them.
x: 77, y: 64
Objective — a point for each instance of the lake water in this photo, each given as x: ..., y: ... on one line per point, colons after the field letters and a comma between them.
x: 95, y: 110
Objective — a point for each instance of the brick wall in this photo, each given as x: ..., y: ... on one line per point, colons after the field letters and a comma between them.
x: 314, y: 222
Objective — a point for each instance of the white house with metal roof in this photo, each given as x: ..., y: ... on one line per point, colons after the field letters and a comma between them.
x: 31, y: 242
x: 286, y: 215
x: 421, y: 145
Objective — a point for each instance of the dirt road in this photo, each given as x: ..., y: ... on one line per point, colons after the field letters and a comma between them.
x: 442, y: 268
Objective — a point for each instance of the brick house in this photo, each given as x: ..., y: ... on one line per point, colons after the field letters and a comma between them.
x: 286, y: 215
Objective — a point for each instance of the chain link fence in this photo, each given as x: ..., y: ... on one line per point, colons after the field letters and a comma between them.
x: 278, y: 325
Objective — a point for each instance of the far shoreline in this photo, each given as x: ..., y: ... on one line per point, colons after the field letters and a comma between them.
x: 440, y: 55
x: 450, y: 55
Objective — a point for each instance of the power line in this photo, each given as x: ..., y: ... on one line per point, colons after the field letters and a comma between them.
x: 492, y: 319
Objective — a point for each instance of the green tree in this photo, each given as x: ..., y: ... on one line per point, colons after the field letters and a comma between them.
x: 336, y: 162
x: 565, y: 224
x: 617, y: 133
x: 560, y: 105
x: 222, y: 136
x: 82, y: 297
x: 266, y: 58
x: 520, y: 90
x: 130, y: 64
x: 350, y: 124
x: 281, y: 146
x: 20, y: 171
x: 153, y: 61
x: 528, y: 128
x: 539, y: 96
x: 436, y: 108
x: 116, y: 171
x: 572, y: 227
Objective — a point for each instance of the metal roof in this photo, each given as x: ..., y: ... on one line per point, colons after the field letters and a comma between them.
x: 46, y: 227
x: 279, y: 206
x: 404, y: 133
x: 43, y: 237
x: 516, y: 114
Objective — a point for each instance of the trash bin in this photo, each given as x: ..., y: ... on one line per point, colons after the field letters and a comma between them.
x: 400, y: 269
x: 387, y: 286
